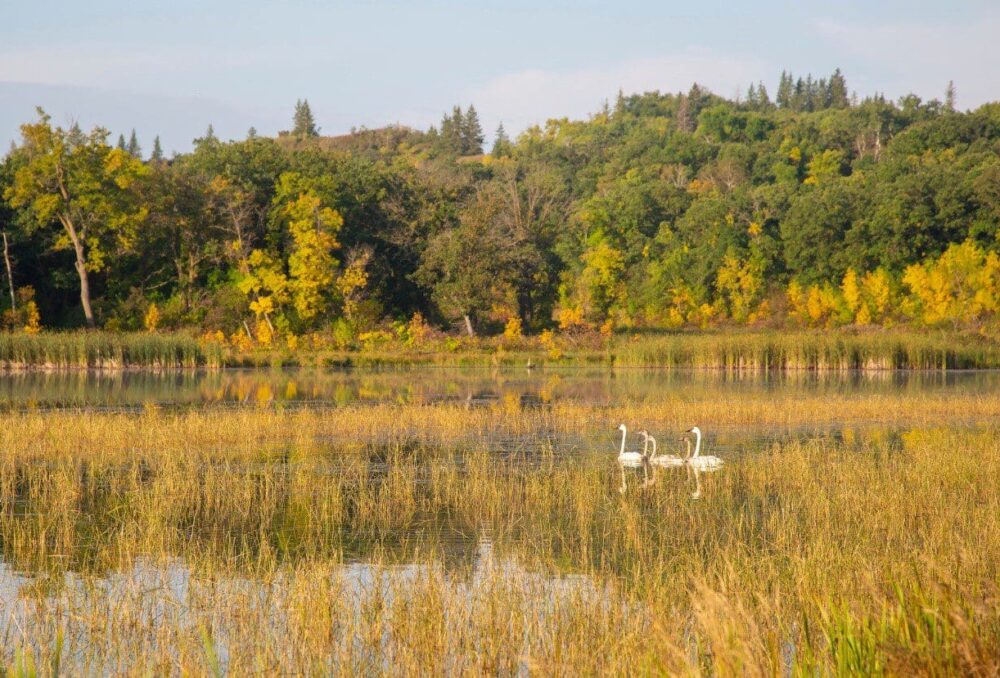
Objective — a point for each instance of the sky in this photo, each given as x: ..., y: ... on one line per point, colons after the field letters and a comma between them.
x: 170, y: 68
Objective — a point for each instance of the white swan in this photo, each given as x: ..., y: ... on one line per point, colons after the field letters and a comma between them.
x: 663, y: 459
x: 697, y: 460
x: 633, y: 459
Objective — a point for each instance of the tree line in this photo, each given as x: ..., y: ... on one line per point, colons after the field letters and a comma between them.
x: 661, y: 210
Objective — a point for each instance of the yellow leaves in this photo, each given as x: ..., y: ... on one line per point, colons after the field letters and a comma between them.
x: 851, y: 290
x: 32, y: 318
x: 815, y: 305
x: 754, y: 229
x: 961, y: 286
x: 514, y: 329
x: 311, y: 265
x: 570, y: 318
x: 264, y: 332
x: 352, y: 281
x: 151, y: 320
x: 740, y: 286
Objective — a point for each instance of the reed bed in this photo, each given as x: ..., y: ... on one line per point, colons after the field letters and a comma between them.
x: 403, y: 540
x: 830, y: 350
x: 44, y: 435
x: 733, y: 350
x: 106, y: 350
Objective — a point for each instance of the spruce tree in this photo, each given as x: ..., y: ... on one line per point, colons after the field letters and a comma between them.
x: 157, y: 154
x: 949, y: 97
x: 762, y: 98
x: 472, y: 133
x: 210, y: 133
x: 784, y: 97
x: 838, y: 90
x: 501, y: 143
x: 133, y: 145
x: 303, y: 123
x: 451, y: 137
x: 252, y: 133
x: 121, y: 143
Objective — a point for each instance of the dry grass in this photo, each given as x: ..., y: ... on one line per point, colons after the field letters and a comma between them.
x: 396, y: 539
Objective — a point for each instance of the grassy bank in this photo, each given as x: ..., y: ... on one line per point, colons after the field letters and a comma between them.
x: 265, y: 542
x: 734, y: 350
x: 106, y: 350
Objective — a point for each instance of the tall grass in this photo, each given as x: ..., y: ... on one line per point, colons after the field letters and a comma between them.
x: 409, y: 540
x: 833, y: 350
x: 106, y: 350
x: 734, y: 350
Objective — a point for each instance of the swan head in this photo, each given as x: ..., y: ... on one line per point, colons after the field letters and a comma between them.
x: 644, y: 433
x: 621, y: 427
x: 695, y: 430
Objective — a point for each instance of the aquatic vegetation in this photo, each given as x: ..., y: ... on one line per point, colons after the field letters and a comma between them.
x: 441, y: 538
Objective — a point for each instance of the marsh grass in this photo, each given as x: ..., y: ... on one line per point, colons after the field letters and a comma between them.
x: 106, y: 350
x: 732, y: 350
x: 403, y: 540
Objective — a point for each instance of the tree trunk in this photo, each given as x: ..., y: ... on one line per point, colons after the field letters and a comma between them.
x: 10, y: 276
x: 81, y: 268
x: 468, y: 325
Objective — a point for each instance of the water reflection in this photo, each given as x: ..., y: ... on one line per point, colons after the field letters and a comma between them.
x: 510, y: 388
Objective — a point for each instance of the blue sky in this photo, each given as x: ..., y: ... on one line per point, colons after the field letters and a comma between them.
x: 170, y: 68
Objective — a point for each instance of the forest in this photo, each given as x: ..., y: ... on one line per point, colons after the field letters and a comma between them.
x: 811, y: 208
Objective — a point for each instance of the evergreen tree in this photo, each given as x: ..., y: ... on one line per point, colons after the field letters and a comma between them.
x: 157, y: 154
x: 472, y: 133
x: 763, y: 99
x: 121, y: 143
x: 949, y: 97
x: 303, y: 123
x: 501, y: 144
x: 838, y: 90
x: 620, y: 102
x: 210, y: 133
x: 784, y: 97
x: 252, y: 133
x: 451, y: 131
x: 133, y: 145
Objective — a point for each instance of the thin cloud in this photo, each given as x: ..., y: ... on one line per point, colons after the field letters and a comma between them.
x: 532, y: 96
x: 921, y: 58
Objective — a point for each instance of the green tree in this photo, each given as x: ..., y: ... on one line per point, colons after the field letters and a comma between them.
x: 157, y: 154
x: 502, y: 146
x: 471, y: 133
x: 133, y: 147
x: 303, y: 123
x: 837, y: 97
x: 84, y: 186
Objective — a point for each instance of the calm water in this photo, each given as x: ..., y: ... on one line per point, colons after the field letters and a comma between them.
x: 464, y: 555
x: 318, y: 388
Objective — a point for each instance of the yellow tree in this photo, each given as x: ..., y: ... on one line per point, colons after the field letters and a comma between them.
x: 311, y: 266
x: 79, y: 184
x: 740, y: 286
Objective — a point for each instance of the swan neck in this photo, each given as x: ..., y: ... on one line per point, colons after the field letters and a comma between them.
x: 697, y: 443
x: 624, y: 434
x: 654, y: 447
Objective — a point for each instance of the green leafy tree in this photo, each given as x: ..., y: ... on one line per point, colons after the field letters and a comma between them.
x: 85, y: 187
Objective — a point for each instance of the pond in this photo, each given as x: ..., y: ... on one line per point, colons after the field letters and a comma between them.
x: 367, y: 520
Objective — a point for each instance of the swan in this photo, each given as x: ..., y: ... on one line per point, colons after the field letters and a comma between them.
x: 633, y: 459
x: 664, y: 459
x: 697, y: 460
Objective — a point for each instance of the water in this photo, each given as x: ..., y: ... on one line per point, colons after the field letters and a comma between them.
x: 130, y: 390
x: 169, y: 587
